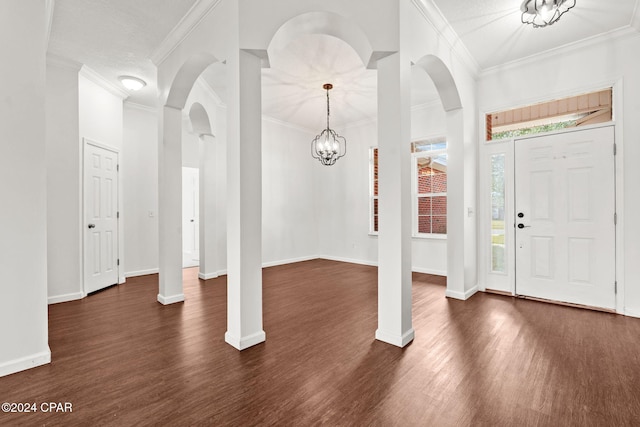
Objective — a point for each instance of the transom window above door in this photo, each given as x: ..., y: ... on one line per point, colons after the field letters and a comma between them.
x: 579, y: 110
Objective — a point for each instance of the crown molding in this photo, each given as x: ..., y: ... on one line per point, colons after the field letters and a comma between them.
x: 61, y: 62
x: 49, y: 6
x: 141, y: 107
x: 199, y: 10
x: 96, y: 78
x: 432, y: 14
x: 613, y: 35
x: 287, y: 124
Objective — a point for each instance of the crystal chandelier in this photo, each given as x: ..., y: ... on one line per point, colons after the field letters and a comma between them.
x: 328, y: 147
x: 541, y: 13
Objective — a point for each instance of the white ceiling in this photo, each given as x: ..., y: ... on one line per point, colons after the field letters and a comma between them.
x: 493, y: 33
x: 117, y: 37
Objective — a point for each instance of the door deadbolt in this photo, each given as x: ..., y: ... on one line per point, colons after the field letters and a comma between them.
x: 91, y: 226
x: 520, y: 215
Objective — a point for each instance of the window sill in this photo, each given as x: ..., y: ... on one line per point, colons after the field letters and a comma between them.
x: 418, y: 236
x: 430, y: 236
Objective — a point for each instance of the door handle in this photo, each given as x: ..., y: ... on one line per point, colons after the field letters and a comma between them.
x: 523, y: 226
x: 91, y: 226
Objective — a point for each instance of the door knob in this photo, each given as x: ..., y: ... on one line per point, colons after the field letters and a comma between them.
x: 91, y: 226
x: 523, y: 226
x: 191, y: 220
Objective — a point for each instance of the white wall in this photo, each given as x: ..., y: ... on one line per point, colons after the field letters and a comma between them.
x: 586, y: 67
x: 23, y: 221
x: 289, y: 219
x: 289, y: 211
x: 190, y: 143
x: 139, y: 173
x: 100, y: 113
x: 344, y: 212
x: 101, y: 120
x: 342, y: 200
x: 63, y: 182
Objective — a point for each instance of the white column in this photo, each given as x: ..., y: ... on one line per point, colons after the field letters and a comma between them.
x: 207, y: 207
x: 394, y: 236
x: 170, y: 207
x: 244, y: 203
x: 23, y: 187
x: 455, y: 206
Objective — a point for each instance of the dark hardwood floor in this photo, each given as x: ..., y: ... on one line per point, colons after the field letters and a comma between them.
x: 122, y: 359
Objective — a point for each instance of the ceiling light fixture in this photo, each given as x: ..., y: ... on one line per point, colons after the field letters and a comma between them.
x: 328, y: 147
x: 132, y: 83
x: 541, y: 13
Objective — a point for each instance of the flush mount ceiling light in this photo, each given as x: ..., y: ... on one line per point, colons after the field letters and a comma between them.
x: 132, y: 83
x: 541, y: 13
x: 328, y: 147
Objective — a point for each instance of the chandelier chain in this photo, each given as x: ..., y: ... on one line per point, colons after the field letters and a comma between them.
x: 327, y: 108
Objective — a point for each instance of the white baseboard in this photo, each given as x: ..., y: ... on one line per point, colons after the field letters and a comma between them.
x: 429, y: 271
x: 631, y: 313
x: 55, y: 299
x: 122, y: 280
x: 375, y: 264
x: 141, y: 272
x: 397, y: 340
x: 288, y: 261
x: 461, y: 295
x: 349, y: 260
x: 24, y: 363
x: 245, y: 342
x: 170, y: 299
x: 207, y: 276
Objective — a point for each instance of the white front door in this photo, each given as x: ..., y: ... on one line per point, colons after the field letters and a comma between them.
x: 564, y: 214
x: 190, y: 217
x: 100, y: 218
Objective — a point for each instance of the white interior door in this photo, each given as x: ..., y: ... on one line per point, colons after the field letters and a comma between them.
x: 100, y: 218
x: 565, y: 206
x: 190, y: 217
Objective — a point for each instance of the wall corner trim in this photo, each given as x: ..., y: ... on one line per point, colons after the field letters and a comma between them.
x: 199, y: 10
x: 62, y: 62
x: 172, y: 299
x: 96, y: 78
x: 55, y: 299
x: 461, y: 295
x: 24, y: 363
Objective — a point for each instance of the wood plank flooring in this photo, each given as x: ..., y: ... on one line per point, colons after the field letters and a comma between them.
x: 122, y: 359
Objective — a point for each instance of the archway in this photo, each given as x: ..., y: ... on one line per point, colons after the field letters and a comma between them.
x: 170, y: 179
x: 452, y: 105
x: 394, y: 238
x: 201, y: 127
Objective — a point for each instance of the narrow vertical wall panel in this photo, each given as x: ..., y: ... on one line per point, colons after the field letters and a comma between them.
x: 23, y: 220
x: 244, y: 203
x: 394, y: 236
x: 170, y: 205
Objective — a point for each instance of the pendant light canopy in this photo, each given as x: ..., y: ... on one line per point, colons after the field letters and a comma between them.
x: 328, y: 147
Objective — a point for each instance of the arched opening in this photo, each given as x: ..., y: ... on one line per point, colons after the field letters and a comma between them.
x: 449, y: 97
x: 170, y: 177
x: 206, y: 229
x: 387, y: 101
